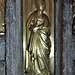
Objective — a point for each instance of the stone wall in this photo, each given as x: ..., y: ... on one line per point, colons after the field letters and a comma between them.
x: 67, y: 37
x: 11, y: 52
x: 73, y: 54
x: 14, y: 54
x: 2, y: 55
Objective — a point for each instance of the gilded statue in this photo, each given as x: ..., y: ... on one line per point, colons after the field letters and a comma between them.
x: 38, y: 31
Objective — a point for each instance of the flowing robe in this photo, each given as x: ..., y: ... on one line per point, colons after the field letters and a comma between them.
x: 38, y: 44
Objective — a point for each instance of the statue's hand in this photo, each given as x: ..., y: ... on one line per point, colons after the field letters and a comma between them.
x: 37, y: 28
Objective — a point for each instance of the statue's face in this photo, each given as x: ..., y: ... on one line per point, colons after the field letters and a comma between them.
x: 40, y: 5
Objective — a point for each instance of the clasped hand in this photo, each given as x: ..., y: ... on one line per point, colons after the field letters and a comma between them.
x: 35, y: 28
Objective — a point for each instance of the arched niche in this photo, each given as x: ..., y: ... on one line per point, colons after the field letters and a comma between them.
x: 28, y: 8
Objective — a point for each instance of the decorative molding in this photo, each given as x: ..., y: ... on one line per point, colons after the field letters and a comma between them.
x: 2, y: 24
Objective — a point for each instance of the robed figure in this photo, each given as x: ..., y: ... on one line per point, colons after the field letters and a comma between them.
x: 38, y: 43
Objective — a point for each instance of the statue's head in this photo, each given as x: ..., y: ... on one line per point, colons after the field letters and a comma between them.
x: 40, y: 5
